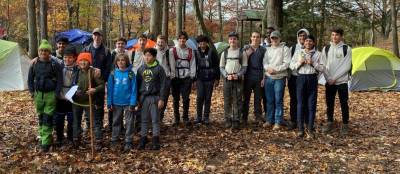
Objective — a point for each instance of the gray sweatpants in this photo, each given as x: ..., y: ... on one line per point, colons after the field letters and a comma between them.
x: 119, y: 112
x: 150, y: 109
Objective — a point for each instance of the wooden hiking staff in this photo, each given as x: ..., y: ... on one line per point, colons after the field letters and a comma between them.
x: 91, y: 115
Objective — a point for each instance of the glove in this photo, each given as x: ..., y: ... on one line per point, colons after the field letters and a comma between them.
x: 132, y: 108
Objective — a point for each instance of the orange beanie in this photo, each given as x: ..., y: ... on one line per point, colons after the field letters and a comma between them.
x: 85, y: 56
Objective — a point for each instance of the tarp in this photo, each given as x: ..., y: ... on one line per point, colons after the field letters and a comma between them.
x: 14, y: 66
x: 149, y: 44
x: 374, y: 69
x: 76, y: 36
x: 131, y: 43
x: 221, y: 46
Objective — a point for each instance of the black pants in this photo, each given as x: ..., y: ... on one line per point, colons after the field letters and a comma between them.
x: 293, y: 98
x: 249, y: 87
x: 203, y: 100
x: 181, y: 87
x: 306, y: 91
x: 63, y: 108
x: 167, y: 92
x: 331, y: 90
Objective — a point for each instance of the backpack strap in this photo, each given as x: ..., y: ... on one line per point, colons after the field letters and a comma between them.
x: 76, y: 78
x: 189, y: 58
x: 293, y: 50
x: 167, y: 57
x: 240, y: 55
x: 327, y: 50
x: 345, y: 47
x: 133, y: 56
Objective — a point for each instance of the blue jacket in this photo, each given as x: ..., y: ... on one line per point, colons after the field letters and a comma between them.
x: 121, y: 88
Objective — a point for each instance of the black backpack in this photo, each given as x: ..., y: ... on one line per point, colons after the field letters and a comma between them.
x: 240, y: 55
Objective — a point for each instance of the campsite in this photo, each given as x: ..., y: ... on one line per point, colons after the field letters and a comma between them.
x: 48, y: 48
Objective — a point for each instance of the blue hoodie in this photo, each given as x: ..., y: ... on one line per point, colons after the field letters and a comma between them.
x: 121, y: 88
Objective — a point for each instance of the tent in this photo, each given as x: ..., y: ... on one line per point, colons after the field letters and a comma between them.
x: 191, y: 43
x: 221, y: 46
x: 76, y: 36
x: 374, y: 69
x: 149, y: 44
x: 14, y: 67
x: 131, y: 43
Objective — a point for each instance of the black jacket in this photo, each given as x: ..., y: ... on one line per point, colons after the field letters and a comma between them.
x: 151, y: 81
x: 45, y: 76
x: 207, y: 65
x: 101, y: 59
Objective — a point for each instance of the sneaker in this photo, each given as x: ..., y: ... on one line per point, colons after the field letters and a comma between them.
x: 300, y: 134
x: 267, y: 124
x: 156, y: 143
x: 291, y: 126
x: 128, y: 147
x: 235, y: 125
x: 44, y: 148
x: 228, y: 124
x: 310, y: 135
x: 142, y: 143
x: 197, y: 121
x: 276, y: 127
x: 345, y: 129
x: 328, y: 128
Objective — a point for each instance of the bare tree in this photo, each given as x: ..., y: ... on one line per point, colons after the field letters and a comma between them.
x: 43, y: 19
x: 394, y: 28
x: 165, y: 16
x: 275, y: 13
x: 121, y: 19
x: 201, y: 22
x: 155, y: 25
x: 179, y: 16
x: 221, y: 27
x: 104, y: 20
x: 33, y: 45
x: 372, y: 39
x: 183, y: 14
x: 201, y: 6
x: 70, y: 10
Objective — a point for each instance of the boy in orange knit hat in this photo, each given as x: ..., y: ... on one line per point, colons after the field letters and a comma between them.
x: 81, y: 98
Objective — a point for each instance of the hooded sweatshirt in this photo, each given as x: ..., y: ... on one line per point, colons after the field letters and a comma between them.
x: 162, y: 59
x: 122, y: 88
x: 337, y: 65
x: 318, y: 64
x: 277, y: 58
x: 151, y: 80
x: 298, y: 46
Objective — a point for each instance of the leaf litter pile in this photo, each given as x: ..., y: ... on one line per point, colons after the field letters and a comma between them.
x: 373, y: 144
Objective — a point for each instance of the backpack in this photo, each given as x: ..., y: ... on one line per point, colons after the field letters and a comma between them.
x: 209, y: 59
x: 292, y: 51
x: 189, y: 58
x: 345, y: 47
x: 240, y: 55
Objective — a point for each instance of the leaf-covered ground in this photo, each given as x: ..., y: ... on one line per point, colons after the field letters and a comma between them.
x: 372, y: 146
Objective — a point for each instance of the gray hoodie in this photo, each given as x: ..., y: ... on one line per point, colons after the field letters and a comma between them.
x: 337, y: 65
x: 297, y: 47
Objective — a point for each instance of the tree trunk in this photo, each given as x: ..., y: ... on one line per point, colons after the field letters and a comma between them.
x: 43, y: 19
x: 201, y: 6
x: 264, y: 19
x: 70, y: 10
x: 121, y: 19
x: 372, y: 39
x: 201, y: 22
x: 237, y: 16
x: 275, y: 13
x: 155, y: 25
x: 322, y: 24
x: 77, y: 14
x: 165, y: 16
x: 33, y: 45
x: 394, y: 28
x: 178, y: 17
x: 183, y: 14
x: 221, y: 27
x: 104, y: 20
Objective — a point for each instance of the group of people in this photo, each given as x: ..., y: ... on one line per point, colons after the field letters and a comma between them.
x: 138, y: 84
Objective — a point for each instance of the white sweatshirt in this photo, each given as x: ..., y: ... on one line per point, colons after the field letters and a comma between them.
x: 318, y: 64
x: 232, y: 64
x: 162, y: 59
x: 182, y: 53
x: 277, y: 58
x: 337, y: 66
x: 298, y: 46
x: 138, y: 61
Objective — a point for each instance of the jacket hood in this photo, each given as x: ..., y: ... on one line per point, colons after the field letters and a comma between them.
x: 298, y: 45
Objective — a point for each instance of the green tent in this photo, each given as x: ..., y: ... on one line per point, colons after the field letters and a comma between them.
x: 14, y: 66
x: 221, y: 46
x: 374, y: 69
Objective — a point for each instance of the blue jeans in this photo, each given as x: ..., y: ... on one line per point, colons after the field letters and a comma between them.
x: 274, y: 89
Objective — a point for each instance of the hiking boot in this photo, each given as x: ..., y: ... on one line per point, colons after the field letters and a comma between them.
x: 345, y: 129
x: 300, y: 134
x: 276, y: 127
x: 291, y: 125
x: 228, y: 124
x: 142, y: 143
x: 310, y: 135
x: 98, y: 146
x: 267, y: 124
x: 44, y: 148
x: 175, y: 124
x: 197, y: 121
x: 328, y: 128
x: 156, y: 143
x: 187, y: 123
x: 235, y: 125
x: 206, y: 121
x: 128, y: 147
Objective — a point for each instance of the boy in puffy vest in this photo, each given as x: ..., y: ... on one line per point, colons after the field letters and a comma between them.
x: 44, y: 82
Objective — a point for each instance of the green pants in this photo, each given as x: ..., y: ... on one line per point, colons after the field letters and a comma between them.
x: 45, y: 103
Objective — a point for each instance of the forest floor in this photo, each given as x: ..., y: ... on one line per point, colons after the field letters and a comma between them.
x: 373, y: 145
